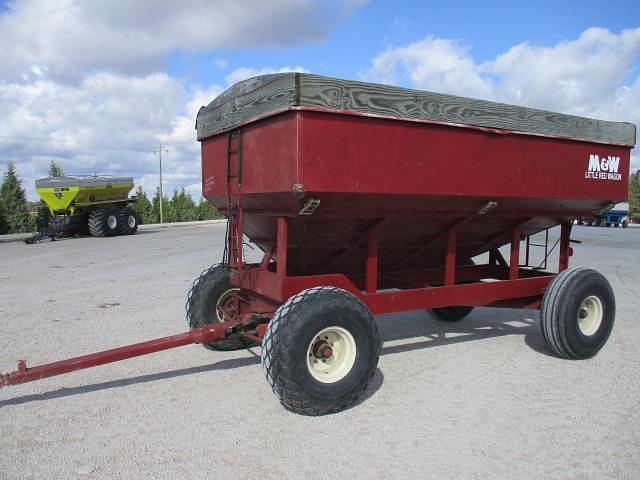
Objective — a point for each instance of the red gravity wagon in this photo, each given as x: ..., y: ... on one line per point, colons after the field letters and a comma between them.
x: 369, y: 199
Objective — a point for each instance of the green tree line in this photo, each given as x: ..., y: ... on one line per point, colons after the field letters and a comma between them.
x: 634, y: 195
x: 180, y: 207
x: 17, y: 215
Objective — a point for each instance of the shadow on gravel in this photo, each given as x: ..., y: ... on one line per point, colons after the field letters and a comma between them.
x: 67, y: 392
x: 427, y: 331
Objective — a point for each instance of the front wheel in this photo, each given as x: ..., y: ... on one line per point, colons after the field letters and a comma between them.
x: 320, y: 351
x: 577, y: 313
x: 213, y: 299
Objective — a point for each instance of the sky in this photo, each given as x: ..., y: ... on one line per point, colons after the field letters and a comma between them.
x: 96, y: 84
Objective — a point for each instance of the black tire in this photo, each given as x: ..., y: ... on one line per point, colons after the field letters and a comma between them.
x: 616, y: 225
x: 625, y: 223
x: 286, y: 351
x: 128, y: 221
x: 457, y: 312
x: 568, y: 301
x: 210, y: 289
x: 452, y: 314
x: 104, y: 222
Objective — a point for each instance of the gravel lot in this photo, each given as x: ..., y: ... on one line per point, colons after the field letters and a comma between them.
x: 479, y: 399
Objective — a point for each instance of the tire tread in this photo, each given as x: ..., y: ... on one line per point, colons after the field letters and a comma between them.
x: 276, y: 361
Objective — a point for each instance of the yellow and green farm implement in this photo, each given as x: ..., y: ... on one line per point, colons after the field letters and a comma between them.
x: 93, y: 205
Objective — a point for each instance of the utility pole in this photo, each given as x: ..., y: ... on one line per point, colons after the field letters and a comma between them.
x: 159, y: 149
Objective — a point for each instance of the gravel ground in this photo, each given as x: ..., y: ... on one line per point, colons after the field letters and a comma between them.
x: 479, y: 399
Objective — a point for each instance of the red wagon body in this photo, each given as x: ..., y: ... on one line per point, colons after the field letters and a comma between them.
x: 423, y: 190
x: 375, y: 199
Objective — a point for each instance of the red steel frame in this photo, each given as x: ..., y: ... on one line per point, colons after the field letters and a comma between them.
x: 406, y: 290
x: 264, y: 287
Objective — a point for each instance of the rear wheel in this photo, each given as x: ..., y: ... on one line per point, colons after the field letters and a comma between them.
x: 452, y: 314
x: 320, y: 351
x: 625, y: 223
x: 577, y: 313
x: 104, y: 222
x: 213, y: 299
x: 128, y: 221
x: 457, y: 312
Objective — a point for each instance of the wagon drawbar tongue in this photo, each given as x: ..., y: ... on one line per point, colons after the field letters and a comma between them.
x: 204, y: 334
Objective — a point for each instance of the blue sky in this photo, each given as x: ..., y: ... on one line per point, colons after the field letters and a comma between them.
x: 488, y: 28
x: 96, y: 84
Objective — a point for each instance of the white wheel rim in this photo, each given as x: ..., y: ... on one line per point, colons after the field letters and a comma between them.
x: 331, y: 354
x: 590, y: 315
x: 131, y: 221
x: 223, y: 298
x: 112, y: 221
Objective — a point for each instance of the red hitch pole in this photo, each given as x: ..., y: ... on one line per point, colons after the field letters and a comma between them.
x: 204, y: 334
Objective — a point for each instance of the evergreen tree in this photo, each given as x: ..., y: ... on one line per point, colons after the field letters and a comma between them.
x: 14, y: 202
x: 206, y: 210
x: 634, y: 194
x: 55, y: 170
x: 142, y: 206
x: 182, y: 207
x: 4, y: 228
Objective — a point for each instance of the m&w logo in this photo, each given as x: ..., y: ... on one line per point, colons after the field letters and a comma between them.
x: 605, y: 168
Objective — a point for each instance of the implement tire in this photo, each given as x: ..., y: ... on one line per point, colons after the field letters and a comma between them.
x: 577, y: 313
x: 104, y: 222
x: 128, y: 221
x: 320, y: 351
x: 207, y: 294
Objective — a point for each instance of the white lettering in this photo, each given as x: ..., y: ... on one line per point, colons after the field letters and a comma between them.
x: 603, y: 168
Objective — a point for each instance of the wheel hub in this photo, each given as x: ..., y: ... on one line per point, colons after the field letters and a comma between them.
x: 331, y: 354
x: 227, y: 307
x: 590, y: 315
x: 322, y: 350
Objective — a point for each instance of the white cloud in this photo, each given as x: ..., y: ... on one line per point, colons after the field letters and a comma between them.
x: 66, y: 38
x: 243, y: 73
x: 431, y: 64
x: 80, y: 81
x: 588, y: 76
x: 106, y: 124
x: 569, y: 76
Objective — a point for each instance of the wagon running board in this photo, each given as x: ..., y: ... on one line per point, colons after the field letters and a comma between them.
x: 204, y: 334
